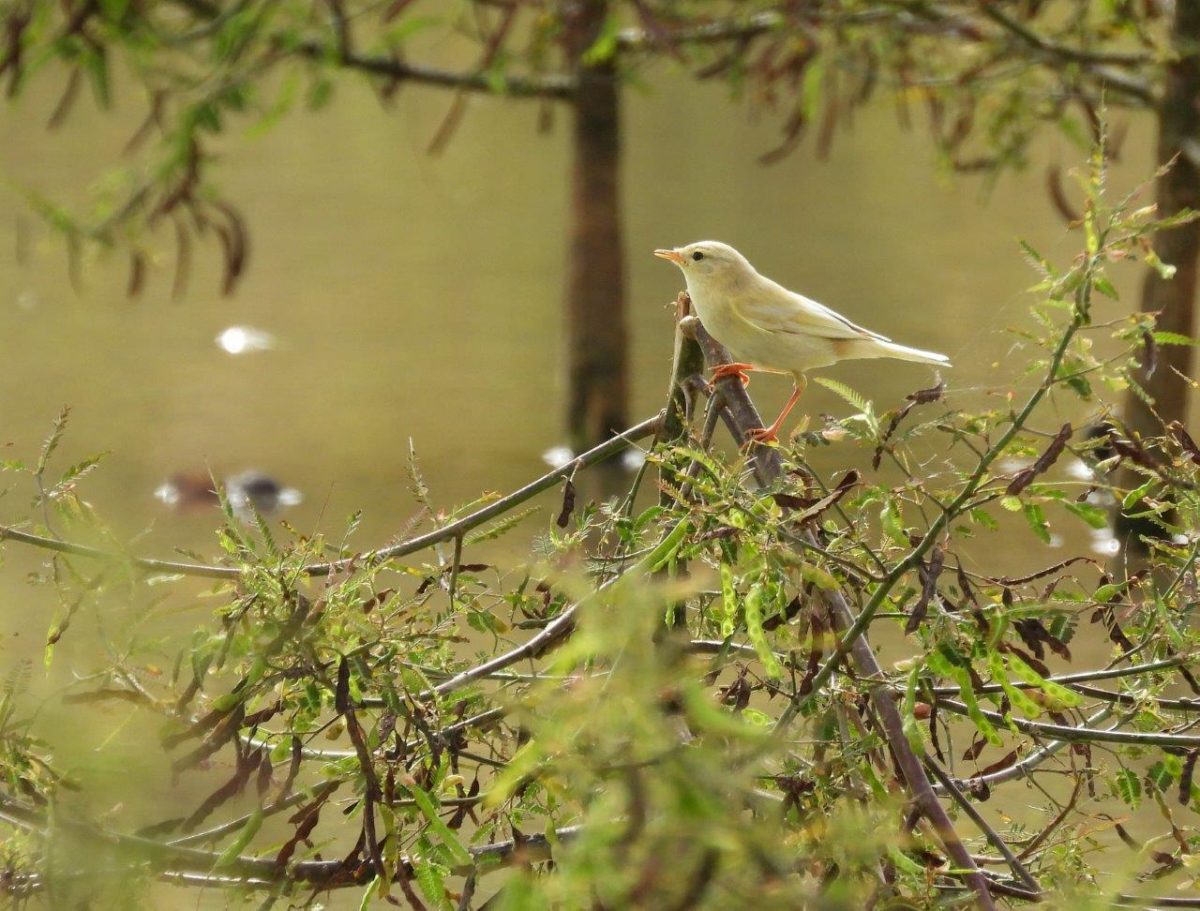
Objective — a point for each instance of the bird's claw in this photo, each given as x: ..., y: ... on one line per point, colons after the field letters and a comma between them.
x: 723, y: 370
x: 763, y: 436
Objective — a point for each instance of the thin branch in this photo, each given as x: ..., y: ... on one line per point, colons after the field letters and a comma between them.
x: 194, y: 866
x: 1078, y: 734
x: 1062, y: 51
x: 638, y: 40
x: 1131, y: 670
x: 982, y: 824
x: 562, y: 625
x: 554, y: 87
x: 1033, y: 760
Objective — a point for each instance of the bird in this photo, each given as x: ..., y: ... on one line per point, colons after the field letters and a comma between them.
x: 768, y: 328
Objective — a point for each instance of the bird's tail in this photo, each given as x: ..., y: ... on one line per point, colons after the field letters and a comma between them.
x: 876, y: 348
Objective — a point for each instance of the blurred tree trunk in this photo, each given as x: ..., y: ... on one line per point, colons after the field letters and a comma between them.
x: 1178, y: 189
x: 595, y: 305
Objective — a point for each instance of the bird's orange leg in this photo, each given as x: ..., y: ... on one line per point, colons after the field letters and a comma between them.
x: 771, y: 434
x: 735, y: 368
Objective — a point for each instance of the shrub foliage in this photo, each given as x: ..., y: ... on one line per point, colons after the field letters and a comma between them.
x: 752, y: 684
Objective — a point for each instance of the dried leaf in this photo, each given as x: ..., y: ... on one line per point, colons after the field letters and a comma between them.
x: 1025, y: 477
x: 568, y: 504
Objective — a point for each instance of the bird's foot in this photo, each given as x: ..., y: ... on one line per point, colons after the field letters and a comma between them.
x: 762, y: 436
x: 732, y: 369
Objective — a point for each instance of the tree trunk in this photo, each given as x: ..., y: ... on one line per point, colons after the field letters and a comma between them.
x: 595, y: 306
x: 1179, y: 188
x: 1173, y: 299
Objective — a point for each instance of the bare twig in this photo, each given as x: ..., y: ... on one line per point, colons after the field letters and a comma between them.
x: 992, y: 835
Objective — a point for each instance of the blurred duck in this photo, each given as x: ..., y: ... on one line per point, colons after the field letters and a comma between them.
x: 247, y: 491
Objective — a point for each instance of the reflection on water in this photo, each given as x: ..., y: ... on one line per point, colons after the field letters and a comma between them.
x: 558, y: 456
x: 244, y: 340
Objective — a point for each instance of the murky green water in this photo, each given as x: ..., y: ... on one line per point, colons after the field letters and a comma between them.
x: 417, y: 299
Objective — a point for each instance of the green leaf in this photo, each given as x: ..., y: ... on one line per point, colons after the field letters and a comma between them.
x: 1089, y: 228
x: 912, y: 728
x: 810, y: 89
x: 247, y: 832
x: 1159, y: 776
x: 604, y: 48
x: 1173, y: 338
x: 892, y: 525
x: 1017, y: 697
x: 52, y: 441
x: 95, y: 64
x: 1105, y: 287
x: 431, y: 877
x: 946, y: 662
x: 966, y: 692
x: 817, y: 576
x: 1135, y: 495
x: 407, y: 27
x: 429, y: 810
x: 905, y: 863
x: 757, y: 600
x: 226, y: 702
x: 1128, y: 787
x: 114, y: 10
x: 1165, y: 270
x: 668, y: 547
x: 853, y: 398
x: 729, y: 605
x: 369, y: 893
x: 983, y: 517
x: 1039, y: 262
x: 501, y: 527
x: 1064, y: 697
x: 1093, y: 515
x: 1036, y: 517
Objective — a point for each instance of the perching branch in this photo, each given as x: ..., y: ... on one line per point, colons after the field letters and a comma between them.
x: 743, y: 418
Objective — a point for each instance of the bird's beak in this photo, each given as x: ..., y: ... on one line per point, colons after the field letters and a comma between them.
x: 670, y: 256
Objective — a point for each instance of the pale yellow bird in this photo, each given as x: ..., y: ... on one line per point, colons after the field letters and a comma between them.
x: 770, y: 329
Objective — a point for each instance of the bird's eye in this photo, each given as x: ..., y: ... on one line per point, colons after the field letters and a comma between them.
x: 697, y: 256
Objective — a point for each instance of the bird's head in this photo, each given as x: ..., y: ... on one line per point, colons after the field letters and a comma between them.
x: 709, y: 262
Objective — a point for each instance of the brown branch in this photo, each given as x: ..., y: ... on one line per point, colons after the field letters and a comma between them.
x: 638, y: 40
x: 982, y: 824
x: 555, y: 87
x: 743, y: 417
x: 1062, y: 51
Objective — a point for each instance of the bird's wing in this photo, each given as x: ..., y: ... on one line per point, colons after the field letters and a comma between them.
x: 775, y: 309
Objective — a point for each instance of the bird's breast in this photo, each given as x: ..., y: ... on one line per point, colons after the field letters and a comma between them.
x: 748, y: 343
